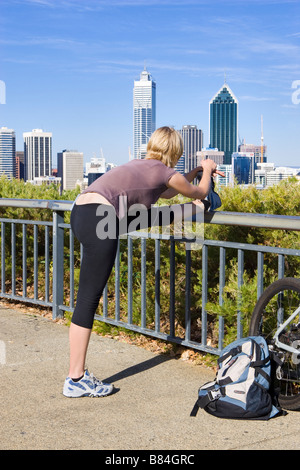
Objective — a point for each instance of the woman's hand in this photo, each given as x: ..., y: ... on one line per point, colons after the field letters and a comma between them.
x: 180, y: 184
x: 218, y: 172
x: 211, y: 166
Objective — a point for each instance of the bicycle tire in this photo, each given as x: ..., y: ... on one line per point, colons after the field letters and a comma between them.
x: 285, y: 291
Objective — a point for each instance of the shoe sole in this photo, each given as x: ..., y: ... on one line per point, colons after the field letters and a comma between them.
x: 90, y: 395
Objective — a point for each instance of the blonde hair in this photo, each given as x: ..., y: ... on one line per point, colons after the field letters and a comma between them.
x: 166, y: 145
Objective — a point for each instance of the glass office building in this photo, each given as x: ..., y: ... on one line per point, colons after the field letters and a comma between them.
x: 7, y: 152
x: 37, y: 154
x: 223, y: 121
x: 144, y: 113
x: 243, y: 167
x: 180, y: 166
x: 192, y: 143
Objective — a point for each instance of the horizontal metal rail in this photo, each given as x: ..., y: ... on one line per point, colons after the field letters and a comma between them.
x: 269, y: 221
x: 34, y: 254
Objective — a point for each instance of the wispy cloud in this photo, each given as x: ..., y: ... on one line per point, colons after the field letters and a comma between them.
x: 42, y: 41
x: 47, y: 3
x: 290, y: 106
x: 96, y: 4
x: 266, y: 46
x: 255, y: 98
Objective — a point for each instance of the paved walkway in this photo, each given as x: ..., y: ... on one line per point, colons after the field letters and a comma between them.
x: 150, y: 409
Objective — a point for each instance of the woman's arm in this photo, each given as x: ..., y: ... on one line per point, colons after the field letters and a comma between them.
x: 170, y: 192
x: 179, y: 183
x: 192, y: 174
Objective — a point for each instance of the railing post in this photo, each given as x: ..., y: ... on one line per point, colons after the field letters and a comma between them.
x: 239, y: 300
x: 58, y: 264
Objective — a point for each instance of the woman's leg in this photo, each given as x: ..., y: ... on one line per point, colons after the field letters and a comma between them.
x: 96, y: 265
x: 79, y: 340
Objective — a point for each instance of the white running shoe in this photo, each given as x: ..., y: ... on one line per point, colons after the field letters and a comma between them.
x: 88, y: 386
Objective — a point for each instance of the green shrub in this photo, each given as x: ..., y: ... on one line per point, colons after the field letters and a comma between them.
x: 283, y: 199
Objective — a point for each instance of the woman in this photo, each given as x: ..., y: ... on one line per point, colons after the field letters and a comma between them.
x: 140, y: 182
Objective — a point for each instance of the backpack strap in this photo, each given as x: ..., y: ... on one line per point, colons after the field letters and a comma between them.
x: 259, y: 363
x: 232, y: 352
x: 195, y: 409
x: 263, y: 373
x: 211, y: 395
x: 204, y: 400
x: 275, y: 358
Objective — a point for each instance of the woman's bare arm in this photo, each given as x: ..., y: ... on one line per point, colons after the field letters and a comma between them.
x: 181, y: 184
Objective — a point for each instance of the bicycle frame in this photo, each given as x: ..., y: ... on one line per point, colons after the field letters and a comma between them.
x: 282, y: 326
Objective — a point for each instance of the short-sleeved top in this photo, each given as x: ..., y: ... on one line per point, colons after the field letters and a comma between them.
x: 141, y: 181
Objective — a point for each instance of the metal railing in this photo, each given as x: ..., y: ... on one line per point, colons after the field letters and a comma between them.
x: 21, y: 244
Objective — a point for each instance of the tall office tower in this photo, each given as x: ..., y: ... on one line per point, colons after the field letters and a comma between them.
x: 20, y: 165
x: 243, y: 167
x: 223, y: 122
x: 7, y: 152
x: 192, y: 143
x: 37, y: 154
x: 180, y: 166
x: 70, y: 168
x: 144, y: 113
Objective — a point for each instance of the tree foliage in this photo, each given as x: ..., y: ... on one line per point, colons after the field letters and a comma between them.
x: 282, y: 199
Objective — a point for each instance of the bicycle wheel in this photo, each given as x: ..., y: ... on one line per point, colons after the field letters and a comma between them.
x: 274, y: 307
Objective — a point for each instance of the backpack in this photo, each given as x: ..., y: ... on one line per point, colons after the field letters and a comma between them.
x: 213, y: 199
x: 242, y: 388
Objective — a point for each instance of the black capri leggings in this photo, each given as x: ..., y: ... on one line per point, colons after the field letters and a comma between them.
x: 97, y: 261
x: 98, y: 255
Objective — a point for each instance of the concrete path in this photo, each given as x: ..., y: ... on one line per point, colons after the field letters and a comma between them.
x: 150, y: 409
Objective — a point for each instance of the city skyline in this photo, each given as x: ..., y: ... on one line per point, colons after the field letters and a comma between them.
x: 69, y: 69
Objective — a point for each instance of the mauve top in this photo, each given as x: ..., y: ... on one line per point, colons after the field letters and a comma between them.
x: 141, y: 181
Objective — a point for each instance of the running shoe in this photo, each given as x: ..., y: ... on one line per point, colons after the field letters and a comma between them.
x: 88, y: 386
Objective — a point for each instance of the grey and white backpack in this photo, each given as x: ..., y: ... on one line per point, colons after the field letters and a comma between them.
x: 242, y: 388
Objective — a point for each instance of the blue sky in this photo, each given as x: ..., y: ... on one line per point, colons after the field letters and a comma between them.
x: 69, y: 68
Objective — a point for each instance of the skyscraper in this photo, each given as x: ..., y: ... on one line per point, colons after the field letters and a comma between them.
x: 223, y: 122
x: 37, y: 154
x: 7, y: 152
x: 192, y: 143
x: 243, y: 167
x: 144, y: 113
x: 70, y: 168
x: 20, y: 165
